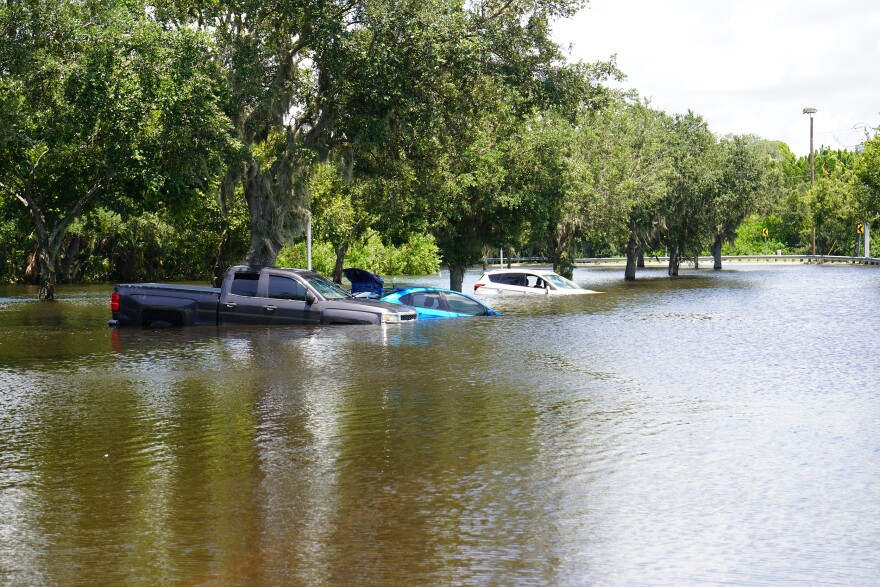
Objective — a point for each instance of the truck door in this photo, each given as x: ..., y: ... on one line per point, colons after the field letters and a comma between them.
x: 286, y: 303
x: 241, y: 304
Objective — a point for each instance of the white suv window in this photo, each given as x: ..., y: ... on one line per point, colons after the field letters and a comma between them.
x: 519, y: 279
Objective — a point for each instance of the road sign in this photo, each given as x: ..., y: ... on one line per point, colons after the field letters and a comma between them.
x: 860, y: 228
x: 765, y: 232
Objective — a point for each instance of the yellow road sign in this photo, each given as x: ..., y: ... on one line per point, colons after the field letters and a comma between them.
x: 860, y: 228
x: 765, y: 232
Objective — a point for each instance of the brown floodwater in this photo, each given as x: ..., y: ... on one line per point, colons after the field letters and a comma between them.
x: 722, y: 427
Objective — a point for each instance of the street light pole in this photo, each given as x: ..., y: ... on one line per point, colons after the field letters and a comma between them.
x: 811, y: 112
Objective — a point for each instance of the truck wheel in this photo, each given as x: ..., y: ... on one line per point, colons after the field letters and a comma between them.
x: 162, y: 319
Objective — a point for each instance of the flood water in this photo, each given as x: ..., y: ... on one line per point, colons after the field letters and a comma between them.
x: 721, y: 427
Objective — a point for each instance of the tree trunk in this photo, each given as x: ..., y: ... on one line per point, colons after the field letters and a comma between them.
x: 697, y: 261
x: 48, y: 273
x: 716, y: 252
x: 275, y: 209
x: 341, y: 251
x: 32, y: 267
x: 456, y: 277
x: 68, y: 266
x: 49, y: 241
x: 564, y: 266
x: 264, y: 244
x: 47, y: 252
x: 632, y: 251
x: 674, y: 261
x: 559, y: 253
x: 262, y: 250
x: 218, y: 269
x: 641, y: 262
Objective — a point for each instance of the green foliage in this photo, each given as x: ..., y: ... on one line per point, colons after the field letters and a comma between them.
x: 102, y: 106
x: 418, y: 256
x: 684, y: 215
x: 867, y: 176
x: 294, y: 256
x: 622, y: 149
x: 749, y: 239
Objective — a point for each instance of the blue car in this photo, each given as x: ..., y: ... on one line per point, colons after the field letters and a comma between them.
x: 429, y: 302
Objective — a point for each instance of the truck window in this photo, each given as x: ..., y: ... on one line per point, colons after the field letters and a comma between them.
x: 284, y: 288
x: 245, y: 284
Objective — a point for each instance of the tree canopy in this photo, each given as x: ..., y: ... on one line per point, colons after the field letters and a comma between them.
x: 170, y: 138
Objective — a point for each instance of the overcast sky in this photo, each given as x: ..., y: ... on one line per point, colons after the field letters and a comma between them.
x: 746, y: 66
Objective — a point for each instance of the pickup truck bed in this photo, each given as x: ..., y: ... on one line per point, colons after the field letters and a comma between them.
x: 155, y: 304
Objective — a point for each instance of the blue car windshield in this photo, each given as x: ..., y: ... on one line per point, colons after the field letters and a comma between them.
x: 325, y: 287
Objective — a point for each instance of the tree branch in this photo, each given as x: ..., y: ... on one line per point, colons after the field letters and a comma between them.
x: 501, y: 10
x: 61, y: 228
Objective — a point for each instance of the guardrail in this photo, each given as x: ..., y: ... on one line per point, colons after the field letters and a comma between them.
x: 818, y: 259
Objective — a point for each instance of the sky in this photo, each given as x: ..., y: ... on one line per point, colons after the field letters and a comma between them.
x: 745, y: 66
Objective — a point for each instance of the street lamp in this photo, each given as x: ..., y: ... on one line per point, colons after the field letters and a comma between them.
x: 811, y: 112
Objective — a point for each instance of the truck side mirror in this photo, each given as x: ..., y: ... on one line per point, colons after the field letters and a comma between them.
x: 310, y: 298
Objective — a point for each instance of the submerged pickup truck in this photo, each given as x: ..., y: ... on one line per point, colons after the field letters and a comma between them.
x: 267, y: 295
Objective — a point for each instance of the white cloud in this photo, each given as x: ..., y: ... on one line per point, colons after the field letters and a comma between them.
x: 746, y: 66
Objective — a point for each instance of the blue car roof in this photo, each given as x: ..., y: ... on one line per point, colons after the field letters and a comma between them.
x: 400, y: 291
x: 405, y: 289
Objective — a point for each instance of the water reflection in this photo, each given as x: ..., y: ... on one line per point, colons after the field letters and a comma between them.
x: 717, y: 428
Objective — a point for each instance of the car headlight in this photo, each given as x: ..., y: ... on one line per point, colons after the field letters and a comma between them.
x: 399, y: 317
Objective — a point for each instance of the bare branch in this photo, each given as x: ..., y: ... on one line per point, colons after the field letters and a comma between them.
x: 77, y: 210
x: 501, y: 9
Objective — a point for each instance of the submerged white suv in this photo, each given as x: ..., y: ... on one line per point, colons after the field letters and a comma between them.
x: 527, y: 281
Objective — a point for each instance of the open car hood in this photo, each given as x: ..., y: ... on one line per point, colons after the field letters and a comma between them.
x: 363, y: 281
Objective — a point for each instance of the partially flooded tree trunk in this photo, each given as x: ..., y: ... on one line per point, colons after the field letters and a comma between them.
x: 565, y: 266
x: 697, y: 261
x: 456, y: 277
x: 716, y: 252
x: 559, y: 254
x: 632, y: 252
x: 48, y: 274
x: 49, y: 245
x: 48, y: 241
x: 674, y: 261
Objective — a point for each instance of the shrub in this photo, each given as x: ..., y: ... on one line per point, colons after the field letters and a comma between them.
x: 418, y: 256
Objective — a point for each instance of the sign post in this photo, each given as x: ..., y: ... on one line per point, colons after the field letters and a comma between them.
x: 765, y: 232
x: 309, y: 243
x: 860, y: 230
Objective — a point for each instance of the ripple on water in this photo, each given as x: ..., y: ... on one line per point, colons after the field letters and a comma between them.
x: 716, y: 428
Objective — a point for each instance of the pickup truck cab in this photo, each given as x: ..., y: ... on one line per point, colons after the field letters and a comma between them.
x: 266, y: 295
